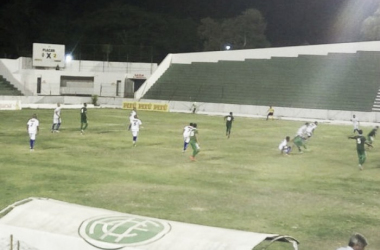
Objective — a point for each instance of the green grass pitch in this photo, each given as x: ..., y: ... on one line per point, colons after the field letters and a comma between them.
x: 319, y: 197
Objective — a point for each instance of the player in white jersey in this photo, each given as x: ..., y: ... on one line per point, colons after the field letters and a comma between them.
x: 355, y: 123
x: 299, y: 139
x: 310, y: 129
x: 356, y: 242
x: 132, y: 116
x: 186, y: 136
x: 302, y: 130
x: 32, y: 126
x: 56, y: 119
x: 283, y: 147
x: 135, y: 128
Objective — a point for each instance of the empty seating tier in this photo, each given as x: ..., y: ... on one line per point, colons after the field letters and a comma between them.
x: 337, y: 81
x: 6, y: 88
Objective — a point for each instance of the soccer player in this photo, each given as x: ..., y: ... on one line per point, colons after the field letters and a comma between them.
x: 56, y: 119
x: 360, y: 147
x: 355, y: 123
x: 299, y: 142
x: 283, y: 147
x: 299, y: 139
x: 135, y: 128
x: 372, y: 134
x: 32, y: 126
x: 302, y: 130
x: 194, y: 107
x: 83, y: 118
x: 194, y: 141
x: 310, y: 129
x: 186, y: 136
x: 270, y: 112
x: 132, y: 116
x: 356, y: 242
x: 229, y: 119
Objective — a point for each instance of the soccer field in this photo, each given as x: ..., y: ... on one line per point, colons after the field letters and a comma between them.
x: 319, y: 197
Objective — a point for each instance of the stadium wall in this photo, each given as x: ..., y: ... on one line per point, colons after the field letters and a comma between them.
x: 333, y: 116
x: 327, y: 116
x: 23, y: 75
x: 48, y: 101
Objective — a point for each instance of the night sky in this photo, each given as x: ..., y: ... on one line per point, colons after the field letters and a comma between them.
x: 289, y: 22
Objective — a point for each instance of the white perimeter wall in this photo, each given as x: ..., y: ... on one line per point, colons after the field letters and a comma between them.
x: 23, y: 76
x: 328, y: 116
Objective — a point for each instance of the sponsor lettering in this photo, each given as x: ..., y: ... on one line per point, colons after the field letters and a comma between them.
x: 146, y: 106
x: 160, y: 107
x: 128, y: 105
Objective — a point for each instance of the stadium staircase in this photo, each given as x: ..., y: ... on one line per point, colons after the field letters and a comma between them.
x: 376, y: 104
x: 337, y: 81
x: 6, y: 88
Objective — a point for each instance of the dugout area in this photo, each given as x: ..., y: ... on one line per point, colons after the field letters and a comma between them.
x: 45, y: 224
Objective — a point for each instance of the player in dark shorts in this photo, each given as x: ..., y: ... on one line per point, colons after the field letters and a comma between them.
x: 270, y: 112
x: 83, y: 118
x: 229, y: 119
x: 372, y: 134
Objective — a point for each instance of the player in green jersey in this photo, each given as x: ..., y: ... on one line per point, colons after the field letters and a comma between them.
x: 194, y: 141
x: 83, y: 118
x: 372, y: 134
x: 360, y: 147
x: 229, y: 119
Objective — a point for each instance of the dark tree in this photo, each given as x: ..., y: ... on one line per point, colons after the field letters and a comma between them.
x: 245, y: 31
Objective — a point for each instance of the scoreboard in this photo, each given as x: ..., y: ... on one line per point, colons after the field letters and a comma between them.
x: 48, y: 55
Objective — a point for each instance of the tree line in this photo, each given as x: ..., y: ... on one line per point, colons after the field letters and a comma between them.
x: 117, y: 30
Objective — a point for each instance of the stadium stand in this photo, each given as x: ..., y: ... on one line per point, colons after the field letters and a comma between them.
x: 336, y: 81
x: 6, y: 88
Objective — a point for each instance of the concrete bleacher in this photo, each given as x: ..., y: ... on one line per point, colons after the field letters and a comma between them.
x: 7, y: 89
x: 336, y: 81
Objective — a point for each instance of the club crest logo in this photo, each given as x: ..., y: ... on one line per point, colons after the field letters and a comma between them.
x: 114, y: 232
